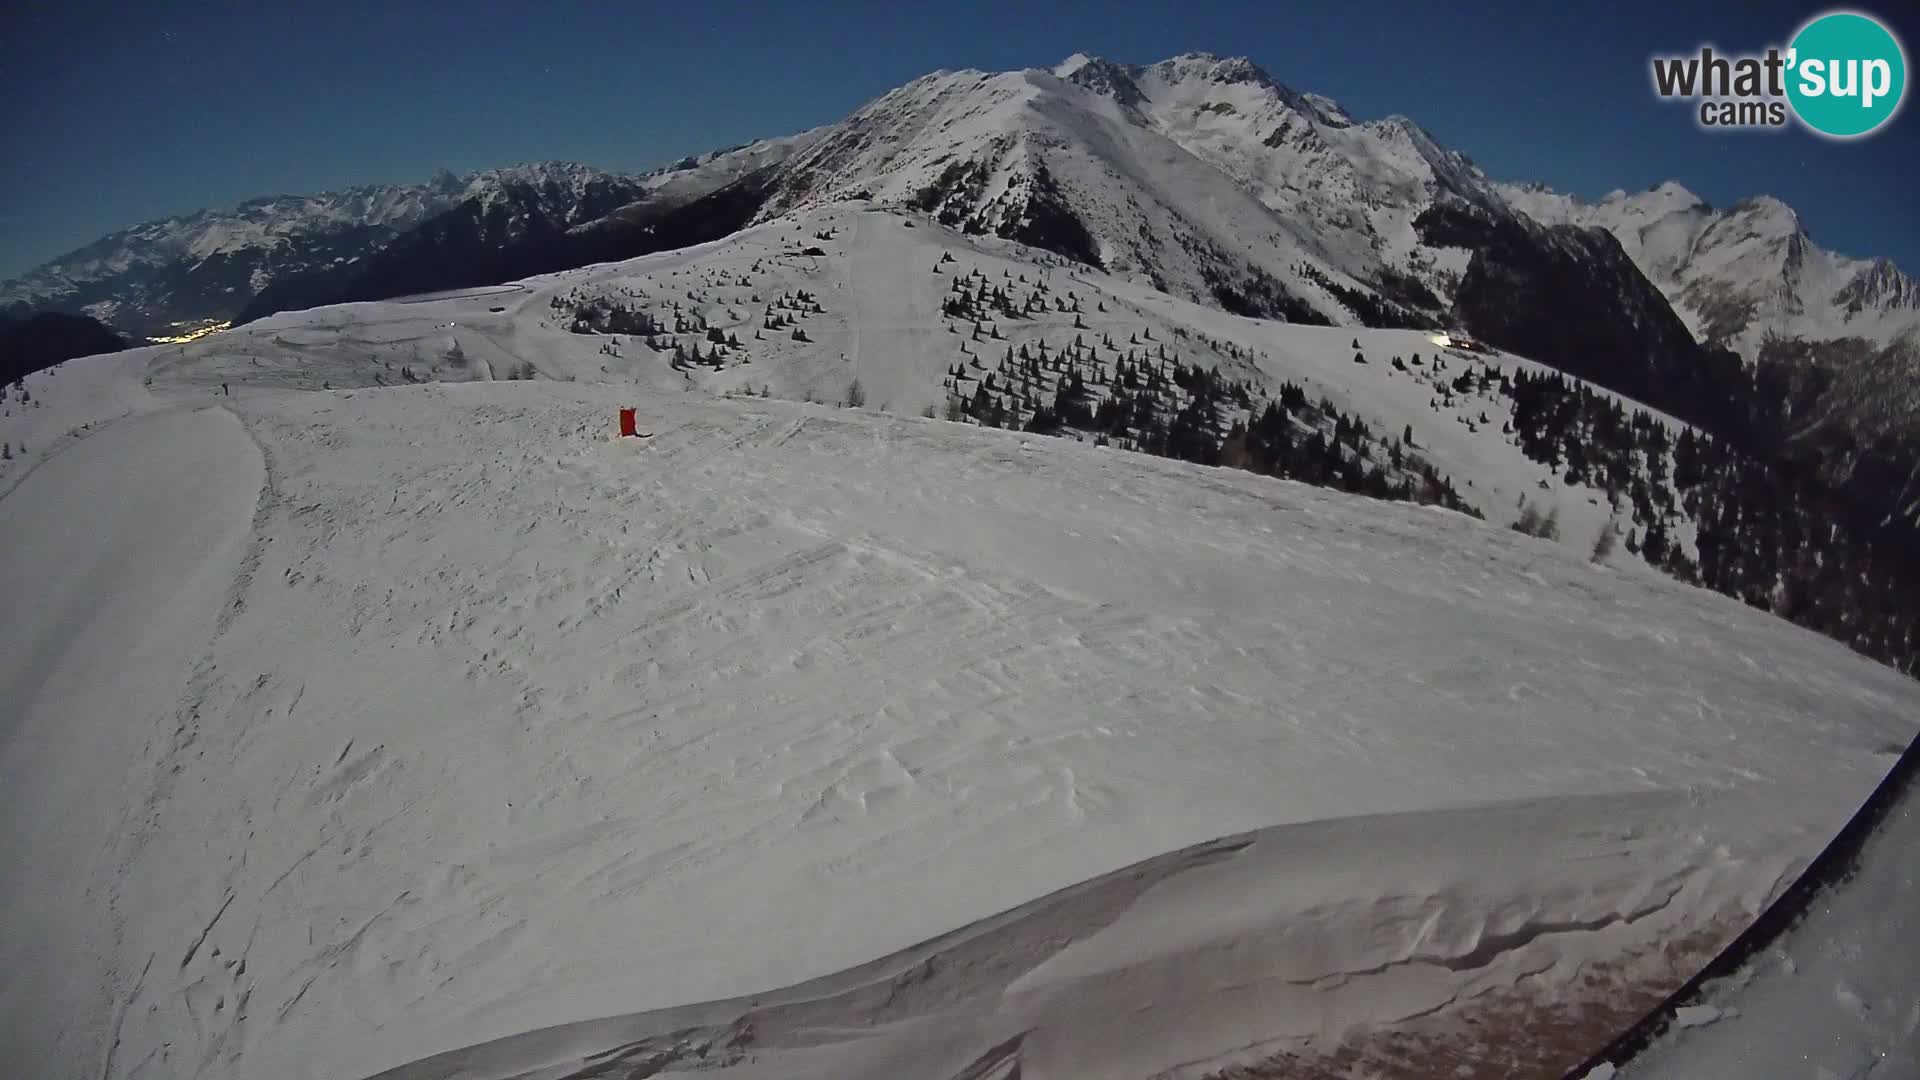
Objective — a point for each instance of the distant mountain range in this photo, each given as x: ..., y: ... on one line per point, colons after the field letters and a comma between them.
x: 1745, y: 273
x: 1844, y: 331
x: 1204, y: 176
x: 156, y: 278
x: 163, y: 278
x: 538, y: 219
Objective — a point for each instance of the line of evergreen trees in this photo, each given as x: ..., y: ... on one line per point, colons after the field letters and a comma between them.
x: 1160, y: 405
x: 1372, y: 310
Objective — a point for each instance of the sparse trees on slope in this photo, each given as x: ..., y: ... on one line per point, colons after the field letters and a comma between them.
x: 1604, y: 544
x: 1536, y: 524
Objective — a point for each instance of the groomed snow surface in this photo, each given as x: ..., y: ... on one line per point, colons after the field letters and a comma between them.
x: 347, y: 728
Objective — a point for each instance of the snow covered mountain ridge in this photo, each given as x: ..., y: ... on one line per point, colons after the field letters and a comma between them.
x: 1209, y: 178
x: 1204, y: 176
x: 205, y: 266
x: 1745, y: 273
x: 181, y: 272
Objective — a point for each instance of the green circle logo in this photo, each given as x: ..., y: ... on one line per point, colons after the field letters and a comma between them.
x: 1847, y: 74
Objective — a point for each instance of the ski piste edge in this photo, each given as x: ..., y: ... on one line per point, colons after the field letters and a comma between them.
x: 1834, y: 866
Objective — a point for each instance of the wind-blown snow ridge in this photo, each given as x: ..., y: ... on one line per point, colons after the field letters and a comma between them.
x: 1270, y: 935
x: 1831, y: 992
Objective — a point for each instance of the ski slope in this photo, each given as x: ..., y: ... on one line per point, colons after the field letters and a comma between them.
x: 471, y: 721
x: 118, y: 554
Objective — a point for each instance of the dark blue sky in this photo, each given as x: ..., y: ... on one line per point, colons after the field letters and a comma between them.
x: 116, y: 113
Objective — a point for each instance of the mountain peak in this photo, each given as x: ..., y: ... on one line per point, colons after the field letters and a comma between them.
x: 1666, y: 197
x: 1331, y: 112
x: 1879, y: 285
x: 1101, y: 76
x: 1673, y: 189
x: 1767, y: 206
x: 535, y: 172
x: 1201, y: 75
x: 1073, y: 65
x: 567, y: 180
x: 1404, y: 128
x: 1214, y: 68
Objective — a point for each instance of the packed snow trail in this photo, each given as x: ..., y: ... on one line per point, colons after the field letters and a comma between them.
x: 116, y: 558
x: 512, y: 723
x: 894, y: 327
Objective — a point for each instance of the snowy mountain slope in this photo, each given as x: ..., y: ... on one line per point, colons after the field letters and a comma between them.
x: 1208, y: 178
x: 1835, y: 340
x: 504, y: 211
x: 1744, y: 273
x: 78, y: 657
x: 517, y: 228
x: 689, y: 178
x: 881, y: 283
x: 1082, y: 161
x: 565, y: 191
x: 505, y: 724
x: 1211, y: 180
x: 1359, y: 184
x: 933, y: 320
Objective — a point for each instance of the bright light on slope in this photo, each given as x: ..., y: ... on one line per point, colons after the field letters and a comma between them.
x: 192, y: 335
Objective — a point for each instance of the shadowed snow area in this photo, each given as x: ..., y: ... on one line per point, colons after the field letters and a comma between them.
x: 506, y: 725
x: 116, y: 561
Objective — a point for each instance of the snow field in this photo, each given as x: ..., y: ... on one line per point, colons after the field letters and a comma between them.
x: 510, y: 725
